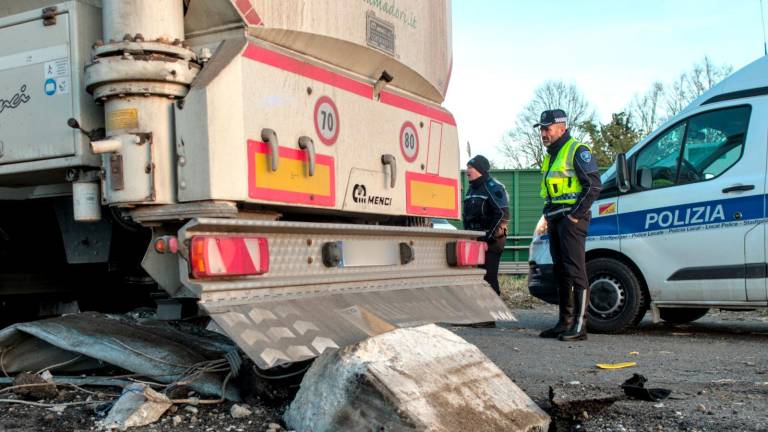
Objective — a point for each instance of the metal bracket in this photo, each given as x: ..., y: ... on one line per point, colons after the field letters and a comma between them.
x: 144, y: 137
x: 269, y: 136
x: 332, y: 254
x: 49, y: 16
x: 306, y: 144
x: 406, y: 253
x: 388, y: 159
x: 655, y: 313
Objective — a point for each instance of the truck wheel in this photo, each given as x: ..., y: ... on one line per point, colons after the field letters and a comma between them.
x: 616, y: 298
x: 682, y: 315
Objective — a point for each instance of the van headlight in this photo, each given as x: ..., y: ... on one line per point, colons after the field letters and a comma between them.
x: 541, y: 227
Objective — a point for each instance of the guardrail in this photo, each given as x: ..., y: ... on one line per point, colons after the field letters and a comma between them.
x: 515, y: 267
x: 517, y: 239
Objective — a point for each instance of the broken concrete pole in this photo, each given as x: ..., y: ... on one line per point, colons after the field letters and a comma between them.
x: 416, y: 379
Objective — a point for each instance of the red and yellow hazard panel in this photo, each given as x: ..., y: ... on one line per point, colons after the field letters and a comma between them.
x: 431, y: 195
x: 606, y: 209
x: 290, y: 183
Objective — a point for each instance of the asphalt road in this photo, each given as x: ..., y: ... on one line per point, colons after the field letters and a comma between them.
x: 717, y: 369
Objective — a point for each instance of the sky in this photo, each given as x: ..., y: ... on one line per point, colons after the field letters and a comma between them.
x: 611, y: 50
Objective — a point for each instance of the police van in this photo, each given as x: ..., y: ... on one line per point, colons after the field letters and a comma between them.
x: 680, y: 226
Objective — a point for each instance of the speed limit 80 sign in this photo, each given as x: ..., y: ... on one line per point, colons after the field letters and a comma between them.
x: 327, y: 120
x: 409, y: 141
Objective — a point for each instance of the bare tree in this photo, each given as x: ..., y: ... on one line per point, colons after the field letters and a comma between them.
x: 693, y: 83
x: 521, y: 145
x: 661, y: 102
x: 645, y: 110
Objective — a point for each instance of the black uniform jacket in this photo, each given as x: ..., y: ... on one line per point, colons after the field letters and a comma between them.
x: 486, y: 208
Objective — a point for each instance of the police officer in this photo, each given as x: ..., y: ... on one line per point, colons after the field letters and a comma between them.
x: 570, y: 183
x: 486, y: 208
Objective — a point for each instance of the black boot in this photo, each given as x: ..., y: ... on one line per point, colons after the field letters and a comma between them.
x: 565, y: 319
x: 578, y: 330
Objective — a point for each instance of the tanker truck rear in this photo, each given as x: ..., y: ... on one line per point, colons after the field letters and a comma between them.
x: 273, y: 165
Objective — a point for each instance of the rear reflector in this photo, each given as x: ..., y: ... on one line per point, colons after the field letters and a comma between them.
x: 166, y: 244
x: 228, y: 256
x: 466, y: 253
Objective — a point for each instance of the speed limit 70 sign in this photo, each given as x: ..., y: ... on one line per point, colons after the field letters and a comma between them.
x: 409, y: 141
x: 327, y: 122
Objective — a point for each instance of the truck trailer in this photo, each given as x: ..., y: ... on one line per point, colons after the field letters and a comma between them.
x: 272, y: 165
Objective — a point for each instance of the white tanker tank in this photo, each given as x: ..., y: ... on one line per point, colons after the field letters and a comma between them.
x: 273, y: 164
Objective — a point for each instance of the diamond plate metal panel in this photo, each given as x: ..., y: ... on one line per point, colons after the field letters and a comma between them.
x: 274, y: 332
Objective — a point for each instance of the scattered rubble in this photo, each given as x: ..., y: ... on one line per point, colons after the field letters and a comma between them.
x: 239, y: 411
x: 139, y: 405
x: 29, y: 386
x: 573, y: 401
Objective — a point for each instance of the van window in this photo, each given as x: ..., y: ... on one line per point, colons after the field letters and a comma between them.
x: 697, y: 149
x: 714, y: 142
x: 656, y: 163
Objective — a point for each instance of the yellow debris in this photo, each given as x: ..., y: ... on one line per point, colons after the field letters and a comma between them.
x: 616, y: 365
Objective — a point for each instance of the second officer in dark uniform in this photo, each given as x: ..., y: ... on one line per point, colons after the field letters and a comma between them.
x: 486, y: 208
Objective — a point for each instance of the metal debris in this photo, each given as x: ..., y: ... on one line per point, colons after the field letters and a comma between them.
x: 88, y: 341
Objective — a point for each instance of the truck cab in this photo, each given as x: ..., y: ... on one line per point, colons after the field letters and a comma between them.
x: 679, y: 227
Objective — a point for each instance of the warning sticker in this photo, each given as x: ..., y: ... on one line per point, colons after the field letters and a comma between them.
x: 56, y: 77
x: 49, y: 87
x: 327, y: 122
x: 409, y: 141
x: 127, y: 118
x: 62, y: 85
x: 57, y: 68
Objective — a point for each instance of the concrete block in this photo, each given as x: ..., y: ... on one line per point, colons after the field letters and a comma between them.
x: 416, y: 379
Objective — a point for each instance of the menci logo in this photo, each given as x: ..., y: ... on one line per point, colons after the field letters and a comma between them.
x: 358, y: 193
x: 360, y: 196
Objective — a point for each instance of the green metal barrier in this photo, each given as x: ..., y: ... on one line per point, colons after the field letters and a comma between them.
x: 525, y: 209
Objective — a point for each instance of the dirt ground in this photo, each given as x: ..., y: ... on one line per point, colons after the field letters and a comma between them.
x: 18, y: 418
x: 716, y: 368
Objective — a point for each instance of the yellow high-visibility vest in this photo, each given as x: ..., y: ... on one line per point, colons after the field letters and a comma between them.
x: 559, y: 183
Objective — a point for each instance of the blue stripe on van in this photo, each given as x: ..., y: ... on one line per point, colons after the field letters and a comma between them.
x: 680, y: 216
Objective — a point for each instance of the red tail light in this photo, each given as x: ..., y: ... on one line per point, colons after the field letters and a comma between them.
x: 228, y: 256
x: 166, y: 244
x: 466, y: 253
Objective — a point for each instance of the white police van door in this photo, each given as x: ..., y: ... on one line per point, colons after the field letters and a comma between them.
x: 698, y: 204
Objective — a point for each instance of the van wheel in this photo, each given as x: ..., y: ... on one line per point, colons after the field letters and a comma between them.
x: 616, y: 298
x: 682, y: 315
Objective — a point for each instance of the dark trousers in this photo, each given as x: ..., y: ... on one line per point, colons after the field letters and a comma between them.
x: 566, y: 245
x: 492, y: 260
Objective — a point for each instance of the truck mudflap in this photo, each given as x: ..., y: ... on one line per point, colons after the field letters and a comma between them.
x: 302, y: 306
